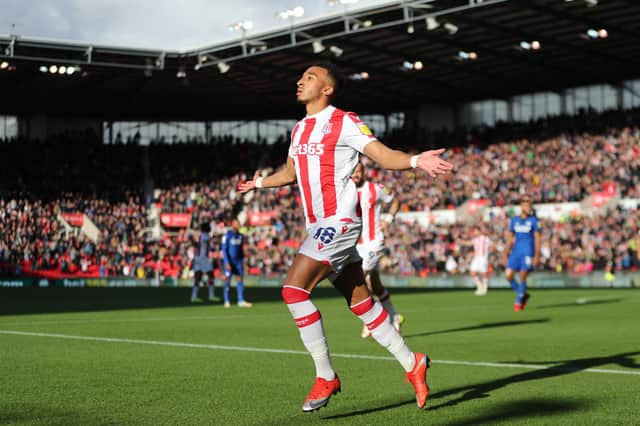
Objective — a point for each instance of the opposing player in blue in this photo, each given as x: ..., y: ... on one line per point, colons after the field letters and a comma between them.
x: 523, y: 247
x: 233, y: 259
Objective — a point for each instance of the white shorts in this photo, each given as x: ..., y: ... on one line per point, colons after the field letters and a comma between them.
x: 479, y: 265
x: 371, y: 253
x: 202, y: 264
x: 333, y: 241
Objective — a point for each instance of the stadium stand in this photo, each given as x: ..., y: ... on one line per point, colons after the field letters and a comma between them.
x: 47, y: 199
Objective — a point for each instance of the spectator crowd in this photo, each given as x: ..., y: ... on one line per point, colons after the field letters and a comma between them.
x: 554, y: 160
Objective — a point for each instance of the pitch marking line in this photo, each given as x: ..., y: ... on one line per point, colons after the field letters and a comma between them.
x: 294, y: 352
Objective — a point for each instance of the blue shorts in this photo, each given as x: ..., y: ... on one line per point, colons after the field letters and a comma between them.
x: 236, y: 268
x: 520, y: 262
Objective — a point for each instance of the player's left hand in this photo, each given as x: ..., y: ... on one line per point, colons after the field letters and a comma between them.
x: 431, y: 162
x: 248, y: 185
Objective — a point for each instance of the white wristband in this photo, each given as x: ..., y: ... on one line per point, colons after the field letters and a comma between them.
x: 414, y: 161
x: 259, y: 182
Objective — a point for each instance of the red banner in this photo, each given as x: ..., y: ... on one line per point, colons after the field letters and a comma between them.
x: 262, y: 218
x: 610, y: 187
x: 175, y: 220
x: 599, y: 199
x: 74, y: 219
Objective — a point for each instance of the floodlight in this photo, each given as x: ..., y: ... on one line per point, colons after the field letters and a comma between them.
x: 451, y: 28
x: 244, y: 25
x: 223, y: 67
x: 296, y: 12
x: 336, y: 50
x: 318, y: 47
x: 432, y: 23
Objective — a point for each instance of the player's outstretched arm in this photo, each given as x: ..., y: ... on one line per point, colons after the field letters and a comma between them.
x: 283, y: 177
x: 393, y: 159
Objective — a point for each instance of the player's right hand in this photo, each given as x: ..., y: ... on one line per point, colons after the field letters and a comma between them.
x: 248, y: 185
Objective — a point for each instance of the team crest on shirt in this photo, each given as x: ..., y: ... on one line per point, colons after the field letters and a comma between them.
x: 326, y: 129
x: 325, y: 235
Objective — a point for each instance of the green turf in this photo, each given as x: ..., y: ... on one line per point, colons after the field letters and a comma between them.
x: 57, y: 381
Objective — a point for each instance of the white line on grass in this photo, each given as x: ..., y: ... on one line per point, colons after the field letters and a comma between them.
x: 296, y: 352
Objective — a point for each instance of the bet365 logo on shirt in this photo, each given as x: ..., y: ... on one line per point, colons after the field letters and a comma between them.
x: 309, y: 149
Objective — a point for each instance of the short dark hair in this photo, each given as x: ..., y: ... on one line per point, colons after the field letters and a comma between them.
x: 334, y: 72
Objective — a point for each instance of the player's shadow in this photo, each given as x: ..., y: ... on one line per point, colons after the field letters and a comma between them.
x: 577, y: 303
x: 32, y: 413
x: 537, y: 407
x: 479, y: 327
x: 372, y: 410
x: 522, y: 409
x: 557, y: 368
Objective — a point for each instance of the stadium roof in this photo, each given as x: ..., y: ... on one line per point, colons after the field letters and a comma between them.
x: 444, y: 35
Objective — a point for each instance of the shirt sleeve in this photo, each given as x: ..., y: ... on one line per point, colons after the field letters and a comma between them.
x: 293, y: 134
x: 355, y: 133
x: 511, y: 225
x: 536, y: 226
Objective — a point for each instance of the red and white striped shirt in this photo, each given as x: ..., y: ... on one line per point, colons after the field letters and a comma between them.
x: 481, y: 245
x: 371, y: 197
x: 325, y: 148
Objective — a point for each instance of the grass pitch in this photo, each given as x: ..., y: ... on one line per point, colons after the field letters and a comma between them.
x: 145, y: 357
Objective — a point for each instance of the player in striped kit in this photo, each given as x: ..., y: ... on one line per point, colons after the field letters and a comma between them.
x: 325, y: 148
x: 371, y: 243
x: 202, y: 266
x: 479, y: 268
